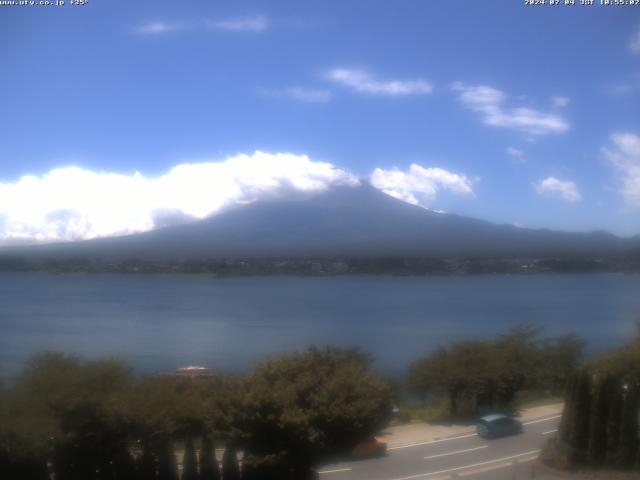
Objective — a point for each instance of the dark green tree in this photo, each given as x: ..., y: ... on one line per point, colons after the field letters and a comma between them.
x: 613, y: 423
x: 516, y: 362
x: 629, y: 425
x: 490, y: 373
x: 597, y: 446
x: 71, y: 413
x: 582, y: 406
x: 302, y: 407
x: 460, y: 371
x: 155, y: 411
x: 248, y: 468
x: 189, y: 461
x: 167, y: 466
x: 559, y: 359
x: 599, y: 425
x: 230, y: 468
x: 567, y: 422
x: 428, y: 375
x: 145, y: 467
x: 208, y: 463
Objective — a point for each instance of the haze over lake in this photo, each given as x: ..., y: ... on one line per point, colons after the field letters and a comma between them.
x: 159, y: 323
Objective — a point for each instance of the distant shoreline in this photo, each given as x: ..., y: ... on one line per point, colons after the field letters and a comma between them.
x: 323, y: 267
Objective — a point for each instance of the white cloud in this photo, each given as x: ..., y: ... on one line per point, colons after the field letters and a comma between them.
x: 631, y: 85
x: 156, y: 28
x: 634, y: 44
x: 560, y: 102
x: 419, y: 185
x: 309, y: 95
x: 623, y: 89
x: 625, y: 156
x: 249, y: 24
x: 566, y: 189
x: 361, y: 82
x: 489, y: 102
x: 73, y: 203
x: 514, y: 152
x: 478, y: 96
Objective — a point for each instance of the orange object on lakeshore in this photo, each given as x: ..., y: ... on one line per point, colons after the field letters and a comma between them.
x: 374, y: 447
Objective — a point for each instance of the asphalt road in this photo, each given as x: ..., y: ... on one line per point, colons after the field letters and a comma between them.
x: 463, y: 456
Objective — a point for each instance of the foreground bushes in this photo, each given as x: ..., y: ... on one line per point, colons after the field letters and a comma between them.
x: 478, y: 375
x: 599, y: 426
x: 298, y: 409
x: 93, y: 420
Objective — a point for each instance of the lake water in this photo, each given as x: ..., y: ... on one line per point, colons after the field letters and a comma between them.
x: 162, y: 322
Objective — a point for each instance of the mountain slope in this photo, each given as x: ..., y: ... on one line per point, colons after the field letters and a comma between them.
x: 343, y: 221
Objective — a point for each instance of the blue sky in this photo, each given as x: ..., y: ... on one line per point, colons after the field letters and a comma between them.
x: 511, y: 113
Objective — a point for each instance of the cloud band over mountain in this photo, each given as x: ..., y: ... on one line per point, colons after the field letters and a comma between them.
x: 73, y: 203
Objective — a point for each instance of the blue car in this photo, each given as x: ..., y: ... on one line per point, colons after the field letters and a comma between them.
x: 498, y: 425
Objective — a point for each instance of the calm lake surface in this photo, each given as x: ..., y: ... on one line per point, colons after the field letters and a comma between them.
x: 160, y: 323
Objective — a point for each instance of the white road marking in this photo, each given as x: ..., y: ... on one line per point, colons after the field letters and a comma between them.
x: 549, y: 432
x: 484, y: 469
x: 337, y: 470
x: 433, y: 441
x: 456, y: 452
x: 542, y: 420
x: 495, y: 467
x: 528, y: 459
x: 464, y: 467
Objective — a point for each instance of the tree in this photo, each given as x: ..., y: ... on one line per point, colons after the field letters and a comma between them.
x: 582, y: 405
x: 559, y: 357
x: 152, y: 405
x: 208, y: 462
x: 167, y: 467
x: 427, y: 375
x: 459, y: 371
x: 490, y: 373
x: 613, y: 423
x: 91, y: 420
x: 73, y: 416
x: 629, y: 424
x: 248, y: 468
x: 518, y: 361
x: 567, y: 421
x: 599, y: 424
x: 600, y: 405
x: 230, y: 469
x: 145, y: 466
x: 299, y: 408
x: 189, y: 461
